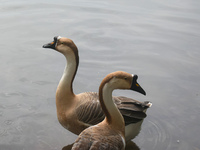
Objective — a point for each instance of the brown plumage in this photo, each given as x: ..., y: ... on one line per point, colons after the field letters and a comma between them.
x: 99, y: 137
x: 110, y: 133
x: 71, y: 108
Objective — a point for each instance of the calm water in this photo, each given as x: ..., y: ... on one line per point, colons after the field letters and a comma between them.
x: 157, y: 40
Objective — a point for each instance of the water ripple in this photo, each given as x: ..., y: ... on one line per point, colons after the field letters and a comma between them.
x: 8, y: 122
x: 1, y: 113
x: 155, y: 135
x: 3, y: 132
x: 11, y: 94
x: 42, y: 82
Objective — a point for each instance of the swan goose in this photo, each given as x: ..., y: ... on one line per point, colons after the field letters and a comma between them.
x: 110, y: 133
x: 76, y: 112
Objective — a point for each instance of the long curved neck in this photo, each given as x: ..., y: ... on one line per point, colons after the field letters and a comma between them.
x: 65, y: 87
x: 113, y: 116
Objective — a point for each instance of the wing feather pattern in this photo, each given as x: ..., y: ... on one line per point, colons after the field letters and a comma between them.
x: 90, y: 111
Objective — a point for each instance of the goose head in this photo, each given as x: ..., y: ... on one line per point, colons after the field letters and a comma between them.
x: 63, y: 45
x: 123, y: 80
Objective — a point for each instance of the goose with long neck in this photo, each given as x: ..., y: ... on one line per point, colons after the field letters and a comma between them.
x: 76, y: 112
x: 110, y: 133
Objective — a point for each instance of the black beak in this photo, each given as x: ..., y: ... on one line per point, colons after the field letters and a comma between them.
x: 136, y: 87
x: 52, y: 44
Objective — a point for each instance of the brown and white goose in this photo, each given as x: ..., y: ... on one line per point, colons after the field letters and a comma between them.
x: 77, y: 112
x: 110, y: 133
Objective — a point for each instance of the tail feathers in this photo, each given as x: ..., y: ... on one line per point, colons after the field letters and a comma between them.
x: 132, y: 110
x: 129, y: 101
x: 130, y: 120
x: 133, y: 114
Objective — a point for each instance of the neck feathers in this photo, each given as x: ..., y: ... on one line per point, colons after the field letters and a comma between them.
x: 65, y: 87
x: 113, y: 116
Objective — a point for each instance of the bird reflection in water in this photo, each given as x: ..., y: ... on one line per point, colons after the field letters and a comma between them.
x: 129, y: 146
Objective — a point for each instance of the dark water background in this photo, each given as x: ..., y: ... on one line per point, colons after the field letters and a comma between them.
x: 158, y: 40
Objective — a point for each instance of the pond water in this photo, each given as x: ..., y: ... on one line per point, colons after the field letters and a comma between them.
x: 157, y: 40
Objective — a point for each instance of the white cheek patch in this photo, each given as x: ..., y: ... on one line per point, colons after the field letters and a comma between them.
x: 59, y: 37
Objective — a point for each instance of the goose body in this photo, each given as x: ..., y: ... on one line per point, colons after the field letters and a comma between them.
x: 110, y: 133
x: 76, y: 112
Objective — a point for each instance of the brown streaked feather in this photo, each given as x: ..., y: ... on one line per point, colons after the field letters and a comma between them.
x: 133, y: 114
x: 91, y: 139
x: 132, y: 110
x: 90, y: 112
x: 129, y: 101
x: 130, y: 120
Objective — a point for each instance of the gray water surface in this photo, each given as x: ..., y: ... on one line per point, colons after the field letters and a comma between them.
x: 157, y: 40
